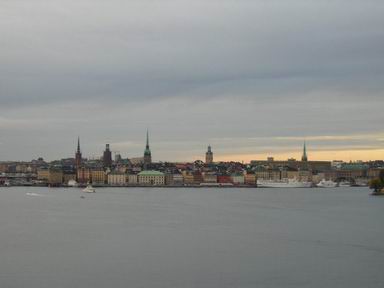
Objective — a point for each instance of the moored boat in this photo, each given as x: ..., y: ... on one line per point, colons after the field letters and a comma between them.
x: 284, y: 183
x: 73, y: 183
x: 89, y: 189
x: 345, y: 184
x: 326, y: 184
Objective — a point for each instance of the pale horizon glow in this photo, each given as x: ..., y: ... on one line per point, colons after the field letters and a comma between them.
x: 346, y: 156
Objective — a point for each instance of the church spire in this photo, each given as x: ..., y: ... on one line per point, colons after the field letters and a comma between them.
x: 304, y: 157
x: 78, y: 144
x: 78, y: 158
x: 147, y: 146
x: 147, y: 153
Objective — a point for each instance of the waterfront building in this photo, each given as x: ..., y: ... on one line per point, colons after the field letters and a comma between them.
x: 132, y: 179
x: 270, y: 174
x: 43, y: 175
x: 98, y: 176
x: 237, y: 179
x: 209, y: 177
x: 331, y: 175
x: 151, y: 177
x: 178, y: 179
x: 83, y: 175
x: 22, y: 168
x: 224, y: 179
x: 168, y: 179
x: 147, y: 154
x: 292, y: 174
x: 197, y: 177
x: 55, y: 177
x: 117, y: 179
x: 315, y: 166
x: 300, y: 175
x: 351, y: 174
x: 188, y: 177
x: 50, y: 176
x: 107, y: 157
x: 250, y: 179
x: 209, y: 156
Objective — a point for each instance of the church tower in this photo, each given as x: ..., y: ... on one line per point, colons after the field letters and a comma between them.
x: 78, y: 158
x: 147, y: 154
x: 107, y: 157
x: 304, y: 158
x: 209, y: 156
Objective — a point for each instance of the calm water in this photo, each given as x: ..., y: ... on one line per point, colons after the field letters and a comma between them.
x: 191, y: 238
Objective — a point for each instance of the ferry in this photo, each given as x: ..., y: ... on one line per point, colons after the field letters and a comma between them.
x: 284, y: 183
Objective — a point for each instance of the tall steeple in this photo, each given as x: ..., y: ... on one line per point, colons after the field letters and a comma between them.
x: 78, y: 158
x: 147, y: 153
x: 78, y: 144
x: 147, y: 146
x: 304, y: 158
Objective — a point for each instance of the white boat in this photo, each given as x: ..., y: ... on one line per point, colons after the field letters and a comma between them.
x: 326, y: 184
x: 7, y: 183
x: 361, y: 183
x: 344, y: 184
x: 72, y: 183
x: 284, y: 183
x: 89, y: 189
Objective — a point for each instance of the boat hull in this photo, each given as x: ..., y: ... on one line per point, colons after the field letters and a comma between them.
x: 327, y: 184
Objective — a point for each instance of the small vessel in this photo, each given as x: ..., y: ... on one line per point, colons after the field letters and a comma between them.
x: 73, y: 183
x: 361, y: 183
x: 345, y: 184
x: 326, y: 184
x: 284, y: 183
x: 7, y: 183
x: 89, y: 189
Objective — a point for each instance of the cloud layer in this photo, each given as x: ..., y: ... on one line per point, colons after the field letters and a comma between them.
x: 249, y: 77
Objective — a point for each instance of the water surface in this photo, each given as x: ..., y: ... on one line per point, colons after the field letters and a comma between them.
x: 171, y: 237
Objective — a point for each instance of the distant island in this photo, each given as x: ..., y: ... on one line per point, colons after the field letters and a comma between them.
x: 142, y: 171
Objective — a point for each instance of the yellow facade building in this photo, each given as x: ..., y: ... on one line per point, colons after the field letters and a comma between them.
x: 151, y: 177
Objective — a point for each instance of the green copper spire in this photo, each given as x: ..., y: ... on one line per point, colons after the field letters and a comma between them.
x: 147, y: 146
x: 147, y: 154
x: 147, y: 151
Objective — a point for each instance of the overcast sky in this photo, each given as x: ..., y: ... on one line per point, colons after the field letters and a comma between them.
x: 251, y: 78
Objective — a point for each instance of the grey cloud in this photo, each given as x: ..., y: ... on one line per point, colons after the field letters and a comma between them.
x: 189, y: 70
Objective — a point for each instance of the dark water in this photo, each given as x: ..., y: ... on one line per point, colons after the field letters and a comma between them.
x: 191, y: 238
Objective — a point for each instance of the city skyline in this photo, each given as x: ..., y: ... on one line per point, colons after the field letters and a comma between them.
x: 251, y: 78
x: 294, y: 153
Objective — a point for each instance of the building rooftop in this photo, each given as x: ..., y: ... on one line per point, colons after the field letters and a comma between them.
x: 150, y: 173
